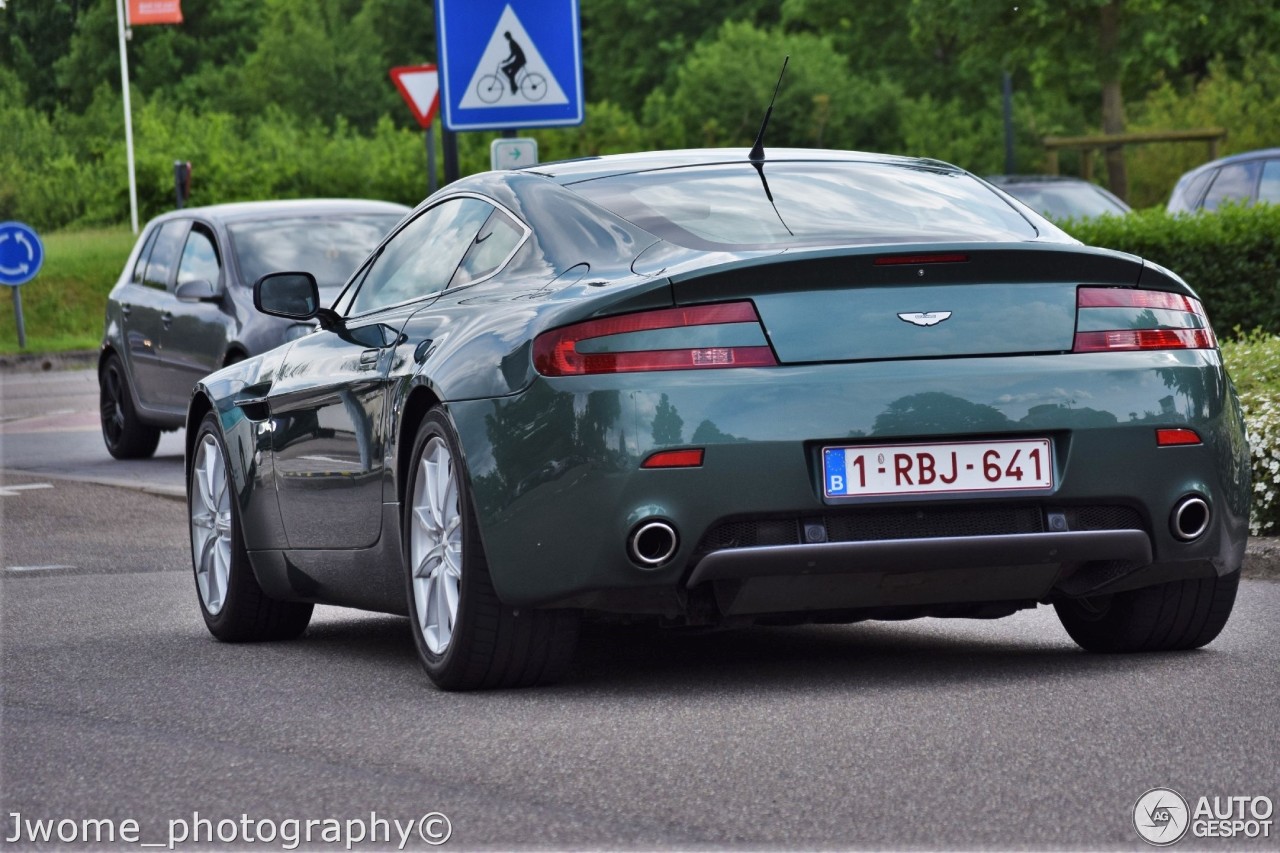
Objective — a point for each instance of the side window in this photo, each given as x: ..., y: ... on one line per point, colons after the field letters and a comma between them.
x: 164, y: 254
x: 421, y: 259
x: 199, y: 258
x: 491, y: 248
x: 1269, y: 187
x: 1235, y: 182
x: 140, y: 267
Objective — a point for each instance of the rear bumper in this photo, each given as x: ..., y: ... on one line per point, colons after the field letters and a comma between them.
x: 559, y: 489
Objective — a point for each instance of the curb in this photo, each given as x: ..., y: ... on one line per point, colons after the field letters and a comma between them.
x: 37, y: 362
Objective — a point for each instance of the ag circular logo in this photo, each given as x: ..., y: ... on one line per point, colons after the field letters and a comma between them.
x: 1161, y: 817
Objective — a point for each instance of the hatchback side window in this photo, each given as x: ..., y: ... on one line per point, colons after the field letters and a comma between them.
x: 1235, y: 182
x: 199, y: 258
x: 1269, y: 186
x: 140, y: 268
x: 165, y: 254
x: 492, y: 247
x: 421, y: 259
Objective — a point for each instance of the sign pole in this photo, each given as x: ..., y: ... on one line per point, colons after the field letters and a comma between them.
x: 450, y: 155
x: 431, y: 161
x: 17, y: 312
x: 128, y: 118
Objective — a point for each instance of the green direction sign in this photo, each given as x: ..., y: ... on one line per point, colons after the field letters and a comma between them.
x: 513, y: 153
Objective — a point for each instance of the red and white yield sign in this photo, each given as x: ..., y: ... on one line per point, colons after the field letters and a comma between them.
x: 420, y: 87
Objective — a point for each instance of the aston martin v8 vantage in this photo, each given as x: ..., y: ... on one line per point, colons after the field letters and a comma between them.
x: 707, y: 388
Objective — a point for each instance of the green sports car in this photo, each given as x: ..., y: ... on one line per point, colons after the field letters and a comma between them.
x: 706, y: 388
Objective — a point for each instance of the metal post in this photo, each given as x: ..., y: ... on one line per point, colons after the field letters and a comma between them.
x: 17, y: 312
x: 509, y: 133
x: 431, y: 160
x: 1009, y: 165
x: 450, y: 156
x: 128, y: 119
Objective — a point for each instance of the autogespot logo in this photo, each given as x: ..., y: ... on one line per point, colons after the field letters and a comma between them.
x: 1161, y: 817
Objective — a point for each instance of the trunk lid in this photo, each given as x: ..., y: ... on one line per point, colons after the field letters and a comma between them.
x: 914, y: 301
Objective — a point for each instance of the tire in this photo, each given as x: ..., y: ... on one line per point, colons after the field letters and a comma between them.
x: 234, y: 607
x: 1168, y: 617
x: 465, y: 636
x: 489, y: 88
x: 124, y: 434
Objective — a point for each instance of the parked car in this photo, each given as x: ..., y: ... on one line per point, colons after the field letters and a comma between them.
x: 706, y: 390
x: 1059, y: 197
x: 183, y: 306
x: 1248, y: 178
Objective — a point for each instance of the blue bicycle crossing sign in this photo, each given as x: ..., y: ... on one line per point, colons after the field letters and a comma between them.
x: 509, y: 63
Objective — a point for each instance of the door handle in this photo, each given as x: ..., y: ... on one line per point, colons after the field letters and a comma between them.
x: 369, y: 358
x: 126, y: 309
x: 167, y: 319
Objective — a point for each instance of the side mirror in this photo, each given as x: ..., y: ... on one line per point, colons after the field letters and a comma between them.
x: 294, y: 296
x: 197, y: 290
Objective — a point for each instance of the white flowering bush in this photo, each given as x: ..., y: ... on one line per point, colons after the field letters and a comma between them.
x: 1253, y: 361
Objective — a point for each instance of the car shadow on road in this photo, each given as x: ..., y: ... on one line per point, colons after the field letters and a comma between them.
x: 617, y: 659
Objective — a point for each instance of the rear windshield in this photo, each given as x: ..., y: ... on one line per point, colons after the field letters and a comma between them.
x: 329, y: 247
x: 727, y: 206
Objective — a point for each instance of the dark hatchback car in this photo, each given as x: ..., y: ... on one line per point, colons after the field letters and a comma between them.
x: 183, y: 306
x: 710, y: 390
x: 1242, y: 178
x: 1060, y: 197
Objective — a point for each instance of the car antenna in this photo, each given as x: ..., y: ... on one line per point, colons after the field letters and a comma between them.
x: 757, y: 150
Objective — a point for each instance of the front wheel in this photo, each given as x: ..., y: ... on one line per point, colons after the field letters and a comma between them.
x: 465, y: 636
x: 234, y: 607
x: 1167, y: 617
x: 533, y: 87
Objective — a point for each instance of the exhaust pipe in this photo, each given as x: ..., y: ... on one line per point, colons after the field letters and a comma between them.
x: 1190, y: 518
x: 652, y: 544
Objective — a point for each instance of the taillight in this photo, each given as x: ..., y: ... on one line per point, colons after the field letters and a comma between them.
x: 557, y: 353
x: 1110, y: 319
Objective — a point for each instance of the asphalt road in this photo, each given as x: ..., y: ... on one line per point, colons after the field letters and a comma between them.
x: 929, y: 734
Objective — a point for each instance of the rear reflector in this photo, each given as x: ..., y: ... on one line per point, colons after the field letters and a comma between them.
x: 691, y: 458
x: 1176, y: 437
x: 555, y: 353
x: 1195, y: 334
x: 900, y: 260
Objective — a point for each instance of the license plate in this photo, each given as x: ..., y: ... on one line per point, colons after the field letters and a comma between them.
x: 957, y: 466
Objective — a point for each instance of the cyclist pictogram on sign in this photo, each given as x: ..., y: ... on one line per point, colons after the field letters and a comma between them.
x: 511, y: 71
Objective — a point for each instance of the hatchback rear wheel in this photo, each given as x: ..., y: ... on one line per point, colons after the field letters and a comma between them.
x: 125, y: 435
x: 1171, y: 616
x: 465, y: 636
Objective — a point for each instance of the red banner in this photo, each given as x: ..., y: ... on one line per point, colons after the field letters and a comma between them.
x: 154, y: 12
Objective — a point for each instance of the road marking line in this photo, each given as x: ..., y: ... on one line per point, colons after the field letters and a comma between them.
x: 14, y: 491
x: 37, y: 568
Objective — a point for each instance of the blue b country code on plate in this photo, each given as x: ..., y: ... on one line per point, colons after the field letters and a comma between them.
x: 959, y: 466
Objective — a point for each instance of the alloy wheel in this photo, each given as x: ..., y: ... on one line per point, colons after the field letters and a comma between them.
x: 211, y: 524
x: 435, y: 545
x: 112, y: 405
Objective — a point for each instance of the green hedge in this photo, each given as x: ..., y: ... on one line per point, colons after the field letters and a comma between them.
x: 1231, y: 257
